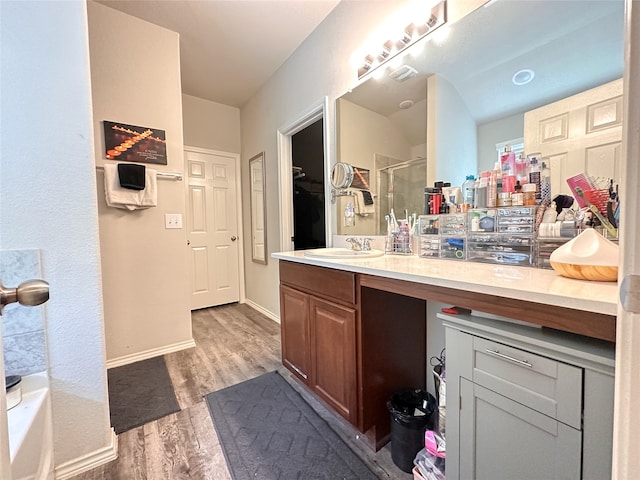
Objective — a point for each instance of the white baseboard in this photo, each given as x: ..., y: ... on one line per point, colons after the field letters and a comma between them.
x: 262, y: 310
x: 89, y: 461
x: 154, y: 352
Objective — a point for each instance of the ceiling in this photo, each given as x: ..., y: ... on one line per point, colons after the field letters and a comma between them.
x: 230, y: 48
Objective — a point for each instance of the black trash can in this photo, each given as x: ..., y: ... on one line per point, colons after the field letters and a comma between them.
x: 412, y: 413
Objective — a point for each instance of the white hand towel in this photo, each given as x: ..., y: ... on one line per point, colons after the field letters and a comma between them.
x: 119, y: 197
x: 360, y: 207
x: 150, y: 192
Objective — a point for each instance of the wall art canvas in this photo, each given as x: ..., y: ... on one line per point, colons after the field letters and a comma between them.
x: 361, y: 178
x: 130, y: 143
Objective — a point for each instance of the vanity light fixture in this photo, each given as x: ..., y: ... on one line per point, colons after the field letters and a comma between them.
x: 412, y: 33
x: 522, y: 77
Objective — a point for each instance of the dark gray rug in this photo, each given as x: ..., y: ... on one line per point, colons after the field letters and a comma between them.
x: 140, y: 393
x: 269, y: 432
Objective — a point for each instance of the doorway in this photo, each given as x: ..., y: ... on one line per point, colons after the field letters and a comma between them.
x: 213, y: 228
x: 317, y: 113
x: 307, y: 155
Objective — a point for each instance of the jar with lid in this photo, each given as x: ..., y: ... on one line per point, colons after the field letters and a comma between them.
x: 504, y: 199
x: 529, y: 194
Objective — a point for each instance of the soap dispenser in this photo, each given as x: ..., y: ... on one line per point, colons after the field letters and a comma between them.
x: 349, y: 215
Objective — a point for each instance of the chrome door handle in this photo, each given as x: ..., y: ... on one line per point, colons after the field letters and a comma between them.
x: 496, y: 353
x: 29, y: 293
x: 234, y: 238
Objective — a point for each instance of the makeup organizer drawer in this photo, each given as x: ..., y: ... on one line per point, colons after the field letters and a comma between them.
x: 501, y: 248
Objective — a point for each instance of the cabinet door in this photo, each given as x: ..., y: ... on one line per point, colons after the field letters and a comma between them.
x: 333, y: 353
x: 503, y: 439
x: 294, y: 326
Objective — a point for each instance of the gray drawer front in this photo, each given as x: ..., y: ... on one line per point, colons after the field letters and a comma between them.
x: 550, y: 387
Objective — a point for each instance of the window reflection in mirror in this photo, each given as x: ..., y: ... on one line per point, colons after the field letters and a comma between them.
x: 463, y: 90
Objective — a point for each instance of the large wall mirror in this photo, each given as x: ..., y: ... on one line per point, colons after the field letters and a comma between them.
x: 258, y: 209
x: 451, y: 104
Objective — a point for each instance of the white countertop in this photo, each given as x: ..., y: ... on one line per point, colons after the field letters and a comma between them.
x: 521, y: 283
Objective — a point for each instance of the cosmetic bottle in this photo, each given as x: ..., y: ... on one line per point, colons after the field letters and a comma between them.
x: 545, y: 180
x: 534, y: 175
x: 517, y: 197
x: 481, y: 194
x: 468, y: 189
x: 499, y: 184
x: 529, y: 194
x: 492, y: 189
x: 508, y: 161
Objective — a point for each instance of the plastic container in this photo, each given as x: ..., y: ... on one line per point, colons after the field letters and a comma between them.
x: 412, y: 412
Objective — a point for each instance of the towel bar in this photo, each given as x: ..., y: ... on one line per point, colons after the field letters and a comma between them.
x: 176, y: 176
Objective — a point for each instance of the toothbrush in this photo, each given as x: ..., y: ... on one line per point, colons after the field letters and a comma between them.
x: 393, y: 219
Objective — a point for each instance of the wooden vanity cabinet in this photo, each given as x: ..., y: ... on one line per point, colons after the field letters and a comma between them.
x: 318, y: 324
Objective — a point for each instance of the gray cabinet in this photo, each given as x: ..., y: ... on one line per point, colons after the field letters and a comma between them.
x: 526, y: 402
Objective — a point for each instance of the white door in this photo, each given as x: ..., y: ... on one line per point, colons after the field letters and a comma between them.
x: 579, y: 134
x: 212, y: 228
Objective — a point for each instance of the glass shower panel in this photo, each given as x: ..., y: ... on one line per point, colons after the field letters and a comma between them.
x: 401, y: 187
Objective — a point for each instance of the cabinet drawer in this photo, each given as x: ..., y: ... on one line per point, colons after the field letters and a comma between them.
x: 334, y: 284
x: 550, y: 387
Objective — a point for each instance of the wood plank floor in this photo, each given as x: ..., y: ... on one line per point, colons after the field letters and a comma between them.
x: 233, y: 343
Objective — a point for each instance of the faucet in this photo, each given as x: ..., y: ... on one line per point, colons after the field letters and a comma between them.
x: 356, y: 245
x: 362, y: 244
x: 366, y: 245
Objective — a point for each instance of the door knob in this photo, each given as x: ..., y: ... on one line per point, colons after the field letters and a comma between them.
x: 29, y: 293
x: 233, y: 238
x: 188, y: 242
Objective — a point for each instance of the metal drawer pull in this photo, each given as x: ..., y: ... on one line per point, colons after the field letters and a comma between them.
x: 507, y: 357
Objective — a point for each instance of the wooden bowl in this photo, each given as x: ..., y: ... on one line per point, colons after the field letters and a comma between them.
x: 596, y: 273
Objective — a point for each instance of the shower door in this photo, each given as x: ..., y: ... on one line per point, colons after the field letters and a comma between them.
x: 401, y: 187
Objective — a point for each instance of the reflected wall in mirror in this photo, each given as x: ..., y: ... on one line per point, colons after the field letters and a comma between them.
x: 459, y: 97
x: 258, y: 209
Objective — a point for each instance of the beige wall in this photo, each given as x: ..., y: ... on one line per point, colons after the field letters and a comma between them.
x: 144, y: 266
x: 210, y: 125
x: 319, y: 67
x: 361, y: 133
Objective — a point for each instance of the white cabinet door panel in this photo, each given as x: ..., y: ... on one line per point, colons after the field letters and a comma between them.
x: 503, y: 439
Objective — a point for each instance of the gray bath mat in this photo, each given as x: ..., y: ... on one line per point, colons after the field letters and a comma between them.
x: 140, y: 393
x: 269, y: 432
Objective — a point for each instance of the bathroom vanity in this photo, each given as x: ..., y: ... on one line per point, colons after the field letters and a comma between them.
x: 354, y: 330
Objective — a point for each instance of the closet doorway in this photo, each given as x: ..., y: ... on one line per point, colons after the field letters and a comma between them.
x: 314, y: 119
x: 307, y: 155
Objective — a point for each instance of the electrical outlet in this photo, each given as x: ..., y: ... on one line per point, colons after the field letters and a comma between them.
x: 172, y: 220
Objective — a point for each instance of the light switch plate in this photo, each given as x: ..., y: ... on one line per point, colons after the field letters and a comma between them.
x: 172, y: 220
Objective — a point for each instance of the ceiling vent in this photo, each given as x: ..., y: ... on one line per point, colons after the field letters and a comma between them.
x: 405, y: 72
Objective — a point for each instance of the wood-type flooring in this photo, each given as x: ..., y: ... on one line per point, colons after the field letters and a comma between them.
x: 233, y: 343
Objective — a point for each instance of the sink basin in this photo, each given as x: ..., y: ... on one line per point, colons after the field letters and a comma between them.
x: 345, y: 253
